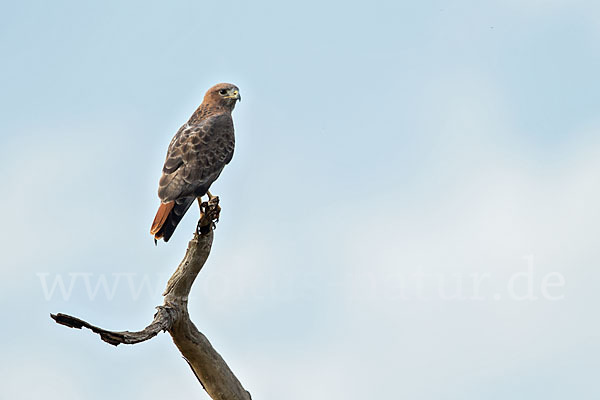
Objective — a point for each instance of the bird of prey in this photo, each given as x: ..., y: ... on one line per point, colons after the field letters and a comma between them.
x: 196, y: 156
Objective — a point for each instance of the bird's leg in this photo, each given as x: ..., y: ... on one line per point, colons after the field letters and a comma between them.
x: 210, y: 198
x: 209, y: 215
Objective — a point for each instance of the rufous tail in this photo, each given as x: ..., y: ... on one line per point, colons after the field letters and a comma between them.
x: 168, y: 216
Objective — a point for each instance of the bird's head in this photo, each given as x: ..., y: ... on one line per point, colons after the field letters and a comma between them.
x: 224, y: 95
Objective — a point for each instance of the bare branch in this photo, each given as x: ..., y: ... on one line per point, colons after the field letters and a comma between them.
x: 207, y: 364
x: 163, y: 320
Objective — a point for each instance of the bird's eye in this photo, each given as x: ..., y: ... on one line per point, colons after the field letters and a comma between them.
x: 223, y: 91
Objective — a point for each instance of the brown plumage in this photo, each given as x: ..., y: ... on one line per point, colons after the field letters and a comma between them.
x: 196, y: 156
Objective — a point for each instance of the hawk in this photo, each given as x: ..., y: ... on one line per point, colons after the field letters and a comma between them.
x: 196, y: 156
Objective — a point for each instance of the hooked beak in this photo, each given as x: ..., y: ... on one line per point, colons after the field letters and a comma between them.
x: 235, y: 95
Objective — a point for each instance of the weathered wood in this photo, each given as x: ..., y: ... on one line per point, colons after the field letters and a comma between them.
x: 163, y: 320
x: 207, y: 364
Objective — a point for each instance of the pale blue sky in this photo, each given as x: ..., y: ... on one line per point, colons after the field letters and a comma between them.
x: 376, y: 143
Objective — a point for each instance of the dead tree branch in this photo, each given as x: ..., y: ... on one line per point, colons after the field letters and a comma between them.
x: 208, y: 366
